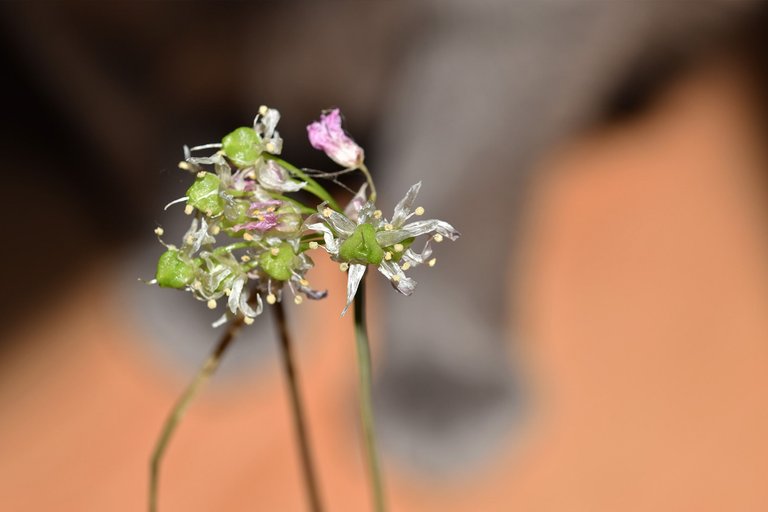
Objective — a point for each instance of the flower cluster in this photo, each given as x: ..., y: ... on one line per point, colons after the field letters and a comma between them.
x: 248, y: 240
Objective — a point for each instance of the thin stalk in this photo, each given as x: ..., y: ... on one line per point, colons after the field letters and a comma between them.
x: 208, y: 368
x: 366, y: 405
x: 369, y: 179
x: 299, y: 419
x: 313, y: 187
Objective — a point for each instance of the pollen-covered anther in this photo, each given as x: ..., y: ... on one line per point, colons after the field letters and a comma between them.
x: 395, y: 278
x: 432, y: 262
x: 313, y: 245
x: 215, y: 230
x: 190, y: 239
x: 377, y: 214
x: 201, y: 174
x: 227, y: 292
x: 189, y: 209
x: 388, y: 227
x: 248, y: 320
x: 303, y: 282
x: 387, y: 255
x: 211, y: 304
x: 398, y: 247
x: 437, y: 238
x: 275, y: 251
x: 419, y: 210
x: 406, y: 266
x: 298, y: 299
x: 327, y: 212
x: 159, y: 231
x: 184, y: 166
x: 244, y: 258
x: 263, y: 110
x: 271, y: 147
x: 248, y: 237
x: 271, y: 299
x: 344, y: 266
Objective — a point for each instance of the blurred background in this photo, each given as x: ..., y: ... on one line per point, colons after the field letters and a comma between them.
x: 597, y: 340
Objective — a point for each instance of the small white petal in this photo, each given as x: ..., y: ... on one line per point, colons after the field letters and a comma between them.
x: 403, y: 208
x: 397, y: 277
x: 354, y: 276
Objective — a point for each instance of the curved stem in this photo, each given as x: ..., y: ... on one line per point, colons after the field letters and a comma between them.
x: 299, y: 420
x: 313, y: 187
x: 369, y: 179
x: 366, y: 405
x: 208, y: 368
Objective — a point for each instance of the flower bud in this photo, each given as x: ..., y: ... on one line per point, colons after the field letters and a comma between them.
x: 204, y: 194
x: 242, y: 146
x: 172, y: 271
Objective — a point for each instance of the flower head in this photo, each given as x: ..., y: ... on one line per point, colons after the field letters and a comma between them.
x: 371, y: 239
x: 328, y: 136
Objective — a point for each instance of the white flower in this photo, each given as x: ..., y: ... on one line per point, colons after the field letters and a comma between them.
x: 370, y: 239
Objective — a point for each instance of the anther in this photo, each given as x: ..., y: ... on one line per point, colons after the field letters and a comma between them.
x: 344, y: 266
x: 184, y: 166
x: 211, y: 304
x: 388, y: 227
x: 245, y: 258
x: 406, y: 266
x: 248, y: 320
x: 271, y: 299
x: 271, y: 147
x: 189, y: 209
x: 275, y: 251
x: 398, y: 247
x: 437, y: 238
x: 159, y: 231
x: 215, y: 230
x: 327, y: 212
x: 298, y: 299
x: 263, y: 110
x: 419, y: 210
x: 432, y: 262
x: 387, y: 255
x: 313, y: 245
x: 248, y: 237
x: 201, y: 174
x: 395, y: 278
x: 227, y: 292
x: 304, y: 282
x: 377, y: 214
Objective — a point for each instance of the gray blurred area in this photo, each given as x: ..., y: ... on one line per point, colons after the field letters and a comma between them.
x: 462, y: 95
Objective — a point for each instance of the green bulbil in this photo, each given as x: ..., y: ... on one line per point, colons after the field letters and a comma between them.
x: 241, y: 146
x: 362, y: 247
x: 204, y: 194
x: 172, y: 271
x: 278, y: 266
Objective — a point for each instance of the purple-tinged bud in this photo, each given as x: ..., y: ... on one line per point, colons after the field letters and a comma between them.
x: 328, y: 136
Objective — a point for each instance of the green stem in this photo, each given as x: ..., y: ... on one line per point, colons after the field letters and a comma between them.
x: 369, y: 179
x: 208, y: 368
x: 299, y: 420
x: 366, y: 405
x: 312, y: 187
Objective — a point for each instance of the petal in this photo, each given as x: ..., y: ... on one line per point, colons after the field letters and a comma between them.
x: 273, y: 176
x: 404, y: 207
x: 331, y: 243
x: 415, y: 259
x: 414, y: 229
x: 403, y: 284
x: 339, y: 222
x: 354, y: 276
x: 246, y: 308
x: 234, y: 295
x: 356, y: 203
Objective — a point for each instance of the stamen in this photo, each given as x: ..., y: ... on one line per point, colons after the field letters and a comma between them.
x: 395, y: 278
x: 398, y: 247
x: 327, y: 212
x: 275, y: 251
x: 190, y: 239
x: 377, y: 214
x: 248, y: 320
x: 388, y: 227
x: 406, y: 266
x: 185, y: 166
x: 245, y: 258
x: 227, y: 292
x: 298, y: 299
x: 304, y: 282
x: 215, y: 230
x: 432, y: 262
x: 344, y: 266
x: 437, y: 238
x: 211, y: 304
x: 263, y: 110
x: 419, y: 210
x: 159, y: 231
x: 387, y: 255
x: 248, y: 237
x: 201, y: 174
x: 271, y: 147
x: 189, y: 209
x: 313, y: 245
x: 271, y: 299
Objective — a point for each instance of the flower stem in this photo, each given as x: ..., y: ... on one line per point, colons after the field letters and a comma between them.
x: 208, y: 368
x: 366, y: 405
x: 369, y: 179
x: 310, y: 480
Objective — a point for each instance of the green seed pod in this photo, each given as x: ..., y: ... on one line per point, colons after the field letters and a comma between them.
x: 278, y: 266
x: 362, y: 247
x: 204, y: 194
x: 172, y: 271
x: 242, y: 146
